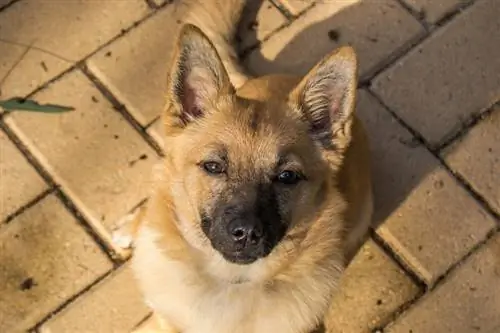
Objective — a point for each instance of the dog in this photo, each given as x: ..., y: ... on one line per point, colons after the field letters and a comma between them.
x: 264, y: 194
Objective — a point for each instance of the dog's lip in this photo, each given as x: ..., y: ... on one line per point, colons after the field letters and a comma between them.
x: 239, y: 257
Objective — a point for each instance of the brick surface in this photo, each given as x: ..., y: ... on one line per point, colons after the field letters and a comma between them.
x: 469, y: 301
x: 375, y: 28
x: 258, y: 22
x: 432, y: 11
x: 24, y: 69
x: 375, y: 287
x: 45, y: 259
x: 429, y: 220
x: 156, y: 131
x: 59, y: 35
x: 135, y: 68
x: 19, y: 182
x: 102, y: 163
x: 436, y: 225
x: 450, y: 76
x: 296, y: 6
x: 150, y: 324
x: 4, y: 3
x: 113, y: 306
x: 399, y: 163
x: 477, y: 158
x: 10, y: 54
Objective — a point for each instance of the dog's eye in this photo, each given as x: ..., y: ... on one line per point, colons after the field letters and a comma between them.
x: 213, y: 167
x: 288, y: 177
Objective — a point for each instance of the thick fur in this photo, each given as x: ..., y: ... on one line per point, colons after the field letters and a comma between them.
x: 309, y: 123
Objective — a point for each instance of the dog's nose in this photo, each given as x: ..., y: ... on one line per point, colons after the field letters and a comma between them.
x: 245, y: 231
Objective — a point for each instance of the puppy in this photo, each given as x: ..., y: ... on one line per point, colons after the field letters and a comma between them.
x: 264, y: 194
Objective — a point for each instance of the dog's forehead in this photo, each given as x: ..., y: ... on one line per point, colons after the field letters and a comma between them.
x: 262, y: 122
x: 256, y: 133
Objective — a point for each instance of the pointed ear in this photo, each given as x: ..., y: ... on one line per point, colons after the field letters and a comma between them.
x: 326, y: 99
x: 197, y: 78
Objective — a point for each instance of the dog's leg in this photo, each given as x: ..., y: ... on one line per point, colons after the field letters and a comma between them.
x: 155, y: 324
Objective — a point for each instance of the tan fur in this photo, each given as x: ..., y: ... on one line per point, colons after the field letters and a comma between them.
x: 189, y: 285
x: 218, y: 19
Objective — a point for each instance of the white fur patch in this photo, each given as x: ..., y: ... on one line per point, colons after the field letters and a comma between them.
x: 121, y: 240
x: 198, y: 302
x: 121, y: 237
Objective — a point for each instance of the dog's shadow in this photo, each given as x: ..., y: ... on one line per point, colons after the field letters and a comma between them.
x: 376, y: 31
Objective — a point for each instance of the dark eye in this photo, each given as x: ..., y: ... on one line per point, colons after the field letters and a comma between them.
x: 213, y: 167
x: 288, y: 177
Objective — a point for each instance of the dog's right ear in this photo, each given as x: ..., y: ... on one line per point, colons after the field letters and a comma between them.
x: 197, y: 78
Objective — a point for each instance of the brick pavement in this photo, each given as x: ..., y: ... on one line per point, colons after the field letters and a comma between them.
x: 429, y: 96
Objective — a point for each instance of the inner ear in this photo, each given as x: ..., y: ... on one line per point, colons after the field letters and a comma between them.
x: 326, y: 98
x: 197, y: 79
x: 190, y: 103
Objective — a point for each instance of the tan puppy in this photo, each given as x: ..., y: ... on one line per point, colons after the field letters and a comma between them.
x: 264, y: 194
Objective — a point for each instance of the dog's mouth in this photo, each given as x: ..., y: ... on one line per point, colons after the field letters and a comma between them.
x: 240, y: 258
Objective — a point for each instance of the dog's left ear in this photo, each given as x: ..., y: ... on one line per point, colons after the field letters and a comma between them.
x: 326, y: 99
x: 197, y: 78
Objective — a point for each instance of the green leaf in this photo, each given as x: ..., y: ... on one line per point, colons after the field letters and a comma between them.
x: 21, y: 104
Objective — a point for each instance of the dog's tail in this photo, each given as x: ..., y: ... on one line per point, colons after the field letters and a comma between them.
x: 219, y: 19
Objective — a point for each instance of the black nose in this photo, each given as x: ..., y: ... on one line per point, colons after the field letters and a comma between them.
x: 246, y: 231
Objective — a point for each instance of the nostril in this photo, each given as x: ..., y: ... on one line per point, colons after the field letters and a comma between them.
x: 245, y: 232
x: 239, y: 234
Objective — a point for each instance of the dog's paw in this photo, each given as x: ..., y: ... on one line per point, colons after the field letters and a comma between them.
x: 123, y: 236
x: 122, y: 240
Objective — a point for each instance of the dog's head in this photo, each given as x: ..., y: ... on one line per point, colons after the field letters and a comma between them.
x: 246, y: 172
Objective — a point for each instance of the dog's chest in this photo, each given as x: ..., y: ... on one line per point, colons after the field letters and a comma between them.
x: 196, y: 305
x: 241, y: 308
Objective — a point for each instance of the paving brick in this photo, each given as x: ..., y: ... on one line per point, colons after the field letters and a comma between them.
x: 25, y: 69
x: 427, y: 218
x: 59, y: 35
x: 435, y: 87
x: 150, y: 324
x: 113, y: 306
x: 469, y: 301
x: 135, y: 68
x: 45, y: 258
x: 296, y: 6
x: 156, y: 131
x: 83, y: 30
x: 100, y: 160
x: 398, y: 161
x: 432, y: 11
x: 375, y: 28
x: 375, y: 287
x: 258, y: 22
x: 19, y: 182
x: 437, y: 225
x: 477, y: 158
x: 4, y: 3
